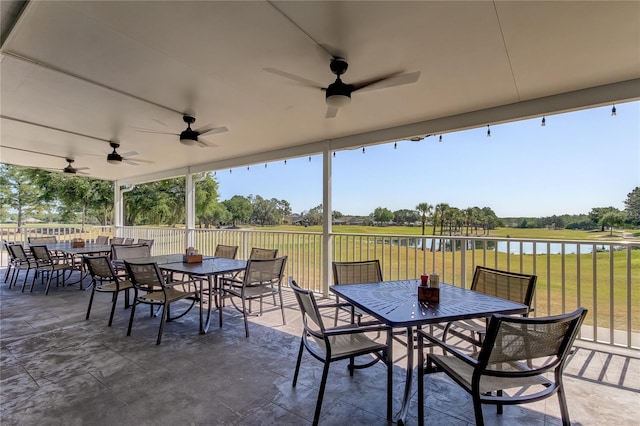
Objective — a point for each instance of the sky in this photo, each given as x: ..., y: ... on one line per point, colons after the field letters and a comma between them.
x: 578, y: 161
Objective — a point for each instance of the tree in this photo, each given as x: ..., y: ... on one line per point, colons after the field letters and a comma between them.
x: 18, y: 191
x: 382, y: 215
x: 597, y: 213
x: 93, y: 198
x: 208, y: 210
x: 632, y: 206
x: 405, y: 217
x: 265, y: 212
x: 240, y: 208
x: 612, y: 219
x: 160, y: 202
x: 284, y: 208
x: 424, y: 209
x: 314, y: 215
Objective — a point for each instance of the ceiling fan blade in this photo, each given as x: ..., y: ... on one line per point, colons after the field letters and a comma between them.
x: 203, y: 144
x: 212, y: 131
x: 136, y: 161
x: 143, y: 130
x: 388, y: 81
x: 129, y: 154
x: 331, y: 112
x: 295, y: 78
x: 33, y: 152
x: 81, y: 168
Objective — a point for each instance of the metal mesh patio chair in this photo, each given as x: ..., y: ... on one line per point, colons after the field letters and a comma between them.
x: 333, y: 344
x: 48, y: 265
x: 20, y: 261
x: 145, y: 242
x: 102, y: 239
x: 49, y: 239
x: 262, y: 277
x: 151, y: 289
x: 506, y: 285
x: 105, y: 280
x: 128, y: 241
x: 344, y: 273
x: 120, y: 252
x: 117, y: 240
x: 235, y: 279
x: 228, y: 252
x: 524, y: 356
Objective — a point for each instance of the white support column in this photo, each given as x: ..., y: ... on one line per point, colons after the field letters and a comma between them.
x: 118, y: 210
x: 118, y: 205
x: 327, y: 219
x: 190, y: 208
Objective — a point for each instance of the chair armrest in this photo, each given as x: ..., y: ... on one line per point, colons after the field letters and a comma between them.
x: 335, y: 305
x: 175, y: 283
x: 355, y: 330
x: 462, y: 356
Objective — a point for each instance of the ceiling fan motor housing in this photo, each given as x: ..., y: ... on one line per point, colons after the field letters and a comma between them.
x: 338, y: 93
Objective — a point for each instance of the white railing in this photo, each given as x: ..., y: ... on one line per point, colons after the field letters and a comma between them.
x: 603, y: 276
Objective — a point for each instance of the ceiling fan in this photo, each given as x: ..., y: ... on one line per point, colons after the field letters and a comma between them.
x: 72, y: 170
x: 68, y: 170
x: 116, y: 158
x: 338, y: 93
x: 190, y: 136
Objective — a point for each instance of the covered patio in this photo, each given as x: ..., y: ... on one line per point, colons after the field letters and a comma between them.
x: 79, y: 78
x: 58, y: 368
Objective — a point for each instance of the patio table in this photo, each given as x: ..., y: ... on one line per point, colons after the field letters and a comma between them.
x: 396, y: 304
x: 211, y: 268
x: 72, y: 252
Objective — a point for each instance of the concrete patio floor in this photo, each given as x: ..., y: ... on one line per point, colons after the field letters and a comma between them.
x: 59, y: 369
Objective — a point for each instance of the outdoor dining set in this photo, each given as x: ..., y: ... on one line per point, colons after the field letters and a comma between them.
x: 509, y: 357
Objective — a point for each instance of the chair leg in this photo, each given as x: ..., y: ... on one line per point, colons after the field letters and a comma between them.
x: 163, y: 319
x: 477, y: 409
x: 499, y: 407
x: 323, y: 383
x: 295, y: 375
x: 49, y: 276
x: 6, y: 274
x: 133, y: 311
x: 246, y: 320
x: 284, y: 321
x: 564, y: 410
x: 114, y: 301
x: 420, y: 399
x: 93, y: 292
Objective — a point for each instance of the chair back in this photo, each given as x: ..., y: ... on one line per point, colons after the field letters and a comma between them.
x: 100, y: 268
x: 145, y: 242
x: 117, y: 240
x: 264, y: 271
x: 17, y: 251
x: 261, y: 253
x: 41, y: 254
x: 540, y: 343
x: 367, y: 271
x: 43, y: 240
x: 145, y: 276
x: 506, y: 285
x: 128, y: 241
x: 102, y: 240
x: 121, y: 251
x: 228, y: 252
x: 311, y: 318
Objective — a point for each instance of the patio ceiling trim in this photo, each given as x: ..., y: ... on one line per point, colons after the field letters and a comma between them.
x: 625, y: 91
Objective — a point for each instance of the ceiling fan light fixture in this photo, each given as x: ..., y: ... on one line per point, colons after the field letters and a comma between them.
x: 338, y: 101
x: 188, y: 138
x: 114, y: 158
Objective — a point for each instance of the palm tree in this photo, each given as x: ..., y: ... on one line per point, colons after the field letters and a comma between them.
x: 425, y: 210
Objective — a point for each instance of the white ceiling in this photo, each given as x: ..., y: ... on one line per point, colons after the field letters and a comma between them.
x: 103, y: 69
